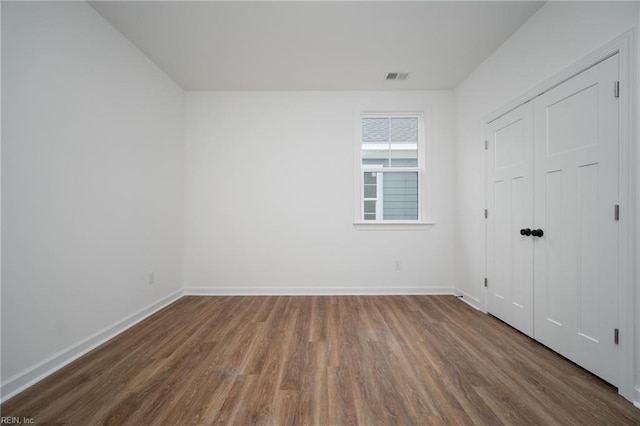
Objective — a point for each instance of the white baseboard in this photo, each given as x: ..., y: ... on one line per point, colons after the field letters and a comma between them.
x: 315, y: 291
x: 467, y: 298
x: 30, y: 376
x: 636, y: 400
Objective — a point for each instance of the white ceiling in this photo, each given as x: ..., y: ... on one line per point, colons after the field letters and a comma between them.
x: 321, y: 45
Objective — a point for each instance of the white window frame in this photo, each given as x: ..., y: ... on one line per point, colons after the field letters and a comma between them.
x: 379, y: 200
x: 380, y: 224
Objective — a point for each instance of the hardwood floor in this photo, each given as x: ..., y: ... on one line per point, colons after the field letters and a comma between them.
x: 403, y: 360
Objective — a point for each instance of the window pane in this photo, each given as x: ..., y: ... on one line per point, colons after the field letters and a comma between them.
x: 404, y: 155
x: 400, y: 196
x: 369, y: 216
x: 370, y: 177
x: 370, y: 191
x: 404, y: 129
x: 370, y: 207
x: 375, y: 154
x: 404, y: 162
x: 375, y: 129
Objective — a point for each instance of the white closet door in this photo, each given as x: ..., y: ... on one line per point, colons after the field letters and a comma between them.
x: 576, y: 190
x: 510, y: 203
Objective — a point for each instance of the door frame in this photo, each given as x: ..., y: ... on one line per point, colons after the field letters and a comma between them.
x: 624, y: 46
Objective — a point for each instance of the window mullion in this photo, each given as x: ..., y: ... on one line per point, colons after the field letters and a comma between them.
x: 379, y: 195
x: 389, y: 143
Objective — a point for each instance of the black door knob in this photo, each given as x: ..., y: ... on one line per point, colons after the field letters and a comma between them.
x: 525, y: 231
x: 537, y: 233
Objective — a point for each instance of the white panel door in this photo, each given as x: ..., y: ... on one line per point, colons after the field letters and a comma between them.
x: 576, y: 190
x: 510, y: 205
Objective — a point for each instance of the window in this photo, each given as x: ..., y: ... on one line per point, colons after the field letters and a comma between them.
x: 391, y: 147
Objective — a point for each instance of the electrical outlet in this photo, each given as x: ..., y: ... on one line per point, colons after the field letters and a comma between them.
x: 152, y: 277
x: 396, y: 265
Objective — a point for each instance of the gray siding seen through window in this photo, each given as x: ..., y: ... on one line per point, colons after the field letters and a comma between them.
x: 400, y: 196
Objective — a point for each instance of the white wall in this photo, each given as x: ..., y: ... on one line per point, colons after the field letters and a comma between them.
x: 560, y: 34
x: 270, y: 196
x: 92, y: 184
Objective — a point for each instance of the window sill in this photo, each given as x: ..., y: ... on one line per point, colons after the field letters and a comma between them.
x: 393, y: 226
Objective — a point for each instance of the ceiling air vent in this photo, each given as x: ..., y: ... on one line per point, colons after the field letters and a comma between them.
x: 397, y: 75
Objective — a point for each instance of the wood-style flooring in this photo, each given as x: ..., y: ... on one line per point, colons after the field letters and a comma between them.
x: 397, y: 360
